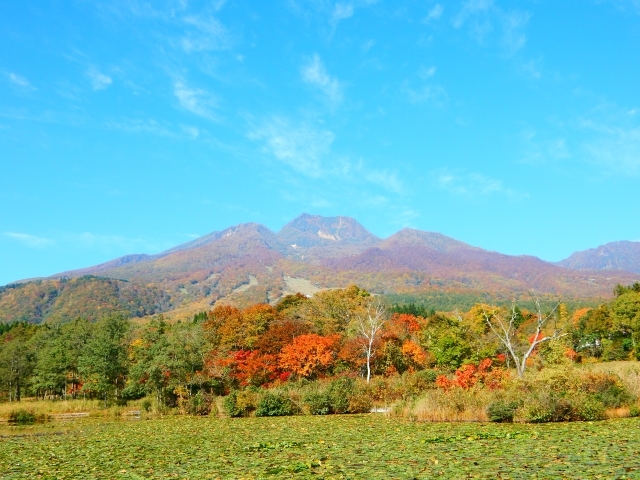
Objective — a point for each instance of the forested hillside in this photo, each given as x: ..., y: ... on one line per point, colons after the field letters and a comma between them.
x: 334, y: 338
x: 86, y: 297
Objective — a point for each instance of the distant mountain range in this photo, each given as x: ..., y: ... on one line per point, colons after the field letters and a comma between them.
x: 621, y: 256
x: 249, y: 263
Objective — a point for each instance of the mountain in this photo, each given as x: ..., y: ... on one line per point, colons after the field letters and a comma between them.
x: 312, y: 237
x: 622, y: 256
x: 317, y: 231
x: 248, y: 263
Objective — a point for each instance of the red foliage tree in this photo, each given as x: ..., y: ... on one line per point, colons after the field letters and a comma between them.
x: 469, y: 375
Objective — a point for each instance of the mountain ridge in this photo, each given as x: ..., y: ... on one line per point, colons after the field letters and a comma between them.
x: 621, y: 256
x: 249, y: 263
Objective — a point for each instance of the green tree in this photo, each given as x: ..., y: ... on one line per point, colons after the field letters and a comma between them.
x: 59, y: 348
x: 17, y: 359
x: 103, y: 364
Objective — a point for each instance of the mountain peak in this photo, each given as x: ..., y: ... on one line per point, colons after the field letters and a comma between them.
x: 315, y: 230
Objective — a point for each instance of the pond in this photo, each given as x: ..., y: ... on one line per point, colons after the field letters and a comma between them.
x: 337, y: 446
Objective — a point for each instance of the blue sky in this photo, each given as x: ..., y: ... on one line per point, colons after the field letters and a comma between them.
x: 133, y: 126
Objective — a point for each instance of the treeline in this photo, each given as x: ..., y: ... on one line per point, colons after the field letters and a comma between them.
x: 330, y: 335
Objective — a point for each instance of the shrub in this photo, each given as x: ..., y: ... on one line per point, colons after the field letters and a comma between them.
x: 146, y: 405
x: 587, y: 408
x: 547, y: 408
x: 240, y: 404
x: 412, y: 385
x: 339, y: 392
x: 274, y: 405
x: 318, y: 403
x: 200, y: 404
x: 502, y: 411
x: 360, y: 402
x: 22, y: 416
x: 607, y: 388
x: 634, y: 411
x: 554, y: 408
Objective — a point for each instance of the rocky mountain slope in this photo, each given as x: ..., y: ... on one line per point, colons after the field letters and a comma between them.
x: 621, y: 256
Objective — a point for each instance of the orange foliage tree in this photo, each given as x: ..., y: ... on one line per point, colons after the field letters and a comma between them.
x: 309, y: 355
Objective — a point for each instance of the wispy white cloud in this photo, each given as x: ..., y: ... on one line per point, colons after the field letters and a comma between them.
x: 513, y: 24
x: 385, y: 179
x: 624, y: 5
x: 341, y: 11
x: 152, y: 126
x: 472, y: 185
x: 208, y: 34
x: 190, y: 131
x: 434, y: 13
x: 142, y: 126
x: 301, y: 147
x: 427, y: 72
x: 197, y: 101
x: 366, y: 46
x: 99, y: 81
x: 308, y: 150
x: 314, y: 73
x: 531, y: 69
x: 471, y: 8
x: 605, y: 140
x: 541, y: 151
x: 615, y: 148
x: 484, y: 17
x: 19, y: 81
x: 29, y: 240
x: 89, y: 241
x: 434, y: 94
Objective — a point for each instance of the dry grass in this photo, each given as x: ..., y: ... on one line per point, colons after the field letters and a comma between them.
x: 454, y: 406
x: 95, y: 408
x: 622, y: 412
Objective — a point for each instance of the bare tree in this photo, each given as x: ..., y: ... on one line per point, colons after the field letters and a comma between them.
x: 506, y: 329
x: 370, y: 322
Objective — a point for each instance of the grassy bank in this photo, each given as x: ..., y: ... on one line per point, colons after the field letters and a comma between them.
x: 340, y: 446
x: 49, y: 408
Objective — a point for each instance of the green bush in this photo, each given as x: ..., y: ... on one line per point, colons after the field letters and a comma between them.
x: 360, y: 400
x: 502, y: 411
x: 587, y: 408
x: 200, y: 404
x: 634, y: 411
x: 318, y: 403
x: 339, y: 392
x: 273, y: 404
x: 240, y: 403
x: 554, y: 408
x: 547, y: 408
x: 608, y: 388
x: 23, y: 416
x: 418, y: 382
x: 146, y: 405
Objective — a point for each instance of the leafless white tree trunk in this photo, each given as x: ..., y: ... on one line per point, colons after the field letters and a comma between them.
x: 370, y: 322
x: 505, y: 330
